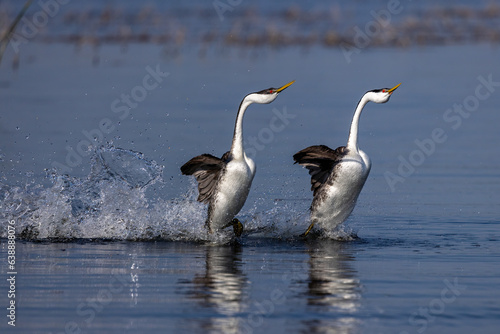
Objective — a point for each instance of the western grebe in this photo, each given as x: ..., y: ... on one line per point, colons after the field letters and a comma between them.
x: 337, y: 176
x: 224, y: 183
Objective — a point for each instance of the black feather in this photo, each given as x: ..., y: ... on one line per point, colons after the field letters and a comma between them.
x: 207, y: 169
x: 320, y: 161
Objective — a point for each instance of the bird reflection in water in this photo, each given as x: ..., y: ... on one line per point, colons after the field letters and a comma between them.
x: 221, y: 289
x: 333, y: 290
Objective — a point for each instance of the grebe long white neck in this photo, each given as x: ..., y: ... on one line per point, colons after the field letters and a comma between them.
x: 352, y: 143
x: 377, y: 96
x: 237, y: 150
x: 263, y: 97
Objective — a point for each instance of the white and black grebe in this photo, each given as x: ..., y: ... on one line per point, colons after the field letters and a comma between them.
x: 337, y: 176
x: 224, y: 183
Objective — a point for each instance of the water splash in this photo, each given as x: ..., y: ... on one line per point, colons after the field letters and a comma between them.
x: 111, y: 203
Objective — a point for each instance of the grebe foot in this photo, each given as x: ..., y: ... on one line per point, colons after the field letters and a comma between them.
x: 237, y: 226
x: 308, y: 230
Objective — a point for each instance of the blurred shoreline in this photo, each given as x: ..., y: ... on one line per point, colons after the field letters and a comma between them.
x: 248, y: 27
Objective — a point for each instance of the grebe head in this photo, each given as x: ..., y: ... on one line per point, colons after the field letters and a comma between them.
x: 381, y: 95
x: 267, y: 95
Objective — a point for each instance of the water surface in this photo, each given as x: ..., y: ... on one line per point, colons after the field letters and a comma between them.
x: 419, y: 254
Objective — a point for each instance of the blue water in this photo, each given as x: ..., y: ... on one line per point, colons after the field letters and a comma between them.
x: 112, y: 240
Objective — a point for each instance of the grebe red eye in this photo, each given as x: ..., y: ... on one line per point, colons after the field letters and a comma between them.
x: 383, y: 90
